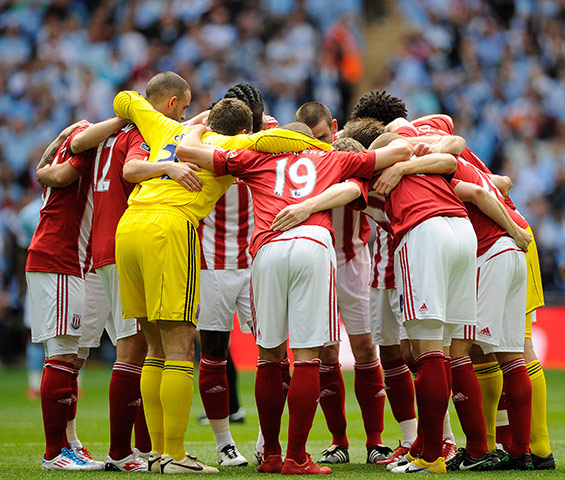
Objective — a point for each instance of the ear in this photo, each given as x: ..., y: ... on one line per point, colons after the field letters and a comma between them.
x: 243, y: 132
x: 171, y: 103
x: 334, y: 126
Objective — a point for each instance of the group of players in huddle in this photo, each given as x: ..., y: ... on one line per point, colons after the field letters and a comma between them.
x: 230, y: 212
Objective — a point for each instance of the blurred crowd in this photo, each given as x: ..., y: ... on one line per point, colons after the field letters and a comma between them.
x: 498, y: 68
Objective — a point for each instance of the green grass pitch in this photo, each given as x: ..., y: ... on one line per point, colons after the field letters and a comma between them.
x: 22, y: 441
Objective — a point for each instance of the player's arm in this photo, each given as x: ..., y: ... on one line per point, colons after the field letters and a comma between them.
x: 51, y: 150
x: 493, y: 208
x: 199, y: 119
x: 95, y: 133
x: 191, y: 149
x: 503, y: 183
x: 453, y: 144
x: 396, y: 151
x: 137, y: 170
x: 59, y: 175
x: 334, y: 196
x: 397, y: 123
x: 432, y: 163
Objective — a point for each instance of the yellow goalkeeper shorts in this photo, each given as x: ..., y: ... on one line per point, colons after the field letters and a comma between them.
x: 534, y: 298
x: 158, y: 261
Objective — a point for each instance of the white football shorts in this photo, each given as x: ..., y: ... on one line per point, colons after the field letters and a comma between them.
x: 293, y: 287
x: 222, y: 293
x: 386, y: 319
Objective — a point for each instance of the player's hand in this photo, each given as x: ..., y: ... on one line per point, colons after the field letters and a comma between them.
x: 421, y: 149
x: 290, y: 216
x: 522, y: 238
x: 199, y: 130
x: 504, y: 184
x: 185, y: 174
x: 388, y: 179
x: 67, y: 131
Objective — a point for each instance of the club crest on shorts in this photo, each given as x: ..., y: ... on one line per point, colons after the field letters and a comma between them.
x: 75, y: 322
x: 197, y: 314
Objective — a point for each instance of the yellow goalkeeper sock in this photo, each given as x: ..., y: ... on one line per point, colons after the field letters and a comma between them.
x: 490, y: 380
x: 539, y: 438
x: 176, y: 398
x: 150, y: 388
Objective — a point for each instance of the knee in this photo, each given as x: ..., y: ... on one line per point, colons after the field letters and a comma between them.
x: 214, y: 343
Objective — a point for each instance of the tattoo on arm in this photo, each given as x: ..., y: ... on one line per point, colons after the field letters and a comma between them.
x: 47, y: 156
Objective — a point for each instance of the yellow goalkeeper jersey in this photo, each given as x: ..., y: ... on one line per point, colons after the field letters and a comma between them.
x: 163, y: 134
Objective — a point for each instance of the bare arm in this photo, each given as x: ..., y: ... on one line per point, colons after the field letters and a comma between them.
x: 137, y: 170
x: 397, y: 123
x: 59, y: 175
x: 503, y: 183
x: 199, y: 119
x: 396, y: 151
x: 493, y: 208
x: 433, y: 163
x: 50, y: 151
x: 453, y: 144
x: 191, y: 149
x: 335, y: 196
x: 95, y: 133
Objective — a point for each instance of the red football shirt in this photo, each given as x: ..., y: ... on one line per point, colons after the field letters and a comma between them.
x: 60, y: 243
x: 111, y: 191
x: 288, y: 178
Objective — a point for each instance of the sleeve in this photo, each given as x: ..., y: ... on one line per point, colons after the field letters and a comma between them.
x: 438, y: 122
x: 361, y: 202
x: 150, y: 122
x: 356, y: 164
x: 136, y: 147
x: 407, y: 131
x: 280, y: 140
x: 234, y: 162
x: 82, y: 162
x: 454, y: 182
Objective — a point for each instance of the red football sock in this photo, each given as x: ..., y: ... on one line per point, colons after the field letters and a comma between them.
x: 125, y: 399
x: 370, y: 393
x: 270, y: 398
x: 142, y: 437
x: 302, y: 403
x: 448, y: 373
x: 518, y: 389
x: 332, y: 401
x: 503, y: 433
x: 56, y: 400
x: 467, y: 401
x: 399, y: 389
x: 74, y: 386
x: 285, y: 369
x: 213, y: 384
x: 432, y: 397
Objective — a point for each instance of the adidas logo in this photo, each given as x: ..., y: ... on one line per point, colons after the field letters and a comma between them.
x: 216, y: 389
x: 423, y: 307
x: 67, y: 401
x: 326, y: 392
x: 135, y: 403
x: 381, y: 393
x: 485, y: 332
x: 459, y: 397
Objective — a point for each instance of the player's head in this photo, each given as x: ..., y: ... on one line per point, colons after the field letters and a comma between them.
x: 319, y: 118
x: 230, y: 116
x: 252, y: 96
x: 379, y: 105
x: 298, y: 127
x: 384, y: 139
x: 348, y: 144
x: 169, y: 94
x: 364, y: 130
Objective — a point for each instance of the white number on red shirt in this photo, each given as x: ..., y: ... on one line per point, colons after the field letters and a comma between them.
x: 307, y: 177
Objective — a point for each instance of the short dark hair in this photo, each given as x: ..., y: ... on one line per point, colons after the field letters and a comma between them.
x: 230, y: 116
x: 347, y: 144
x: 165, y: 85
x: 364, y: 130
x: 252, y: 96
x: 298, y: 127
x: 379, y: 105
x: 311, y: 113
